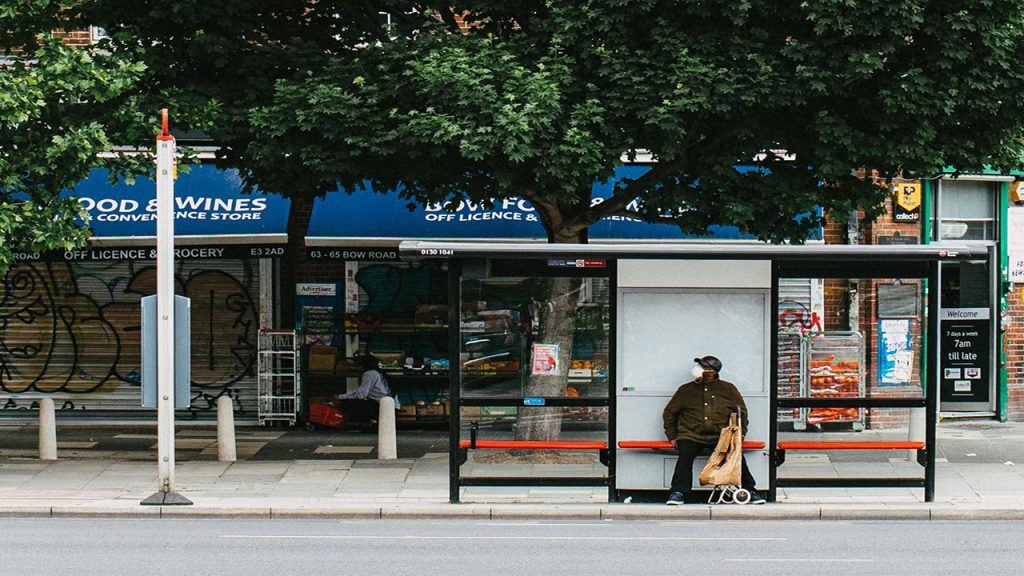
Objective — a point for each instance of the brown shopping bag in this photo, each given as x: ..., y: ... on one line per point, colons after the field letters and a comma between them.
x: 725, y: 466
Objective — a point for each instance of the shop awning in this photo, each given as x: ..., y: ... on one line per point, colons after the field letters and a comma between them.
x: 210, y: 210
x: 347, y: 225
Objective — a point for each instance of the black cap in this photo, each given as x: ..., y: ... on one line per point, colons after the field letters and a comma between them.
x: 709, y: 362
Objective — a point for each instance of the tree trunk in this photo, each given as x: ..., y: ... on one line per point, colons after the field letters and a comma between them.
x: 557, y: 326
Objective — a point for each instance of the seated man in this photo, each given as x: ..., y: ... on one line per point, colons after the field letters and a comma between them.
x: 694, y: 419
x: 361, y: 405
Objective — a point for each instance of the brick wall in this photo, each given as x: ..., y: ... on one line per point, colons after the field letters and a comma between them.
x: 296, y: 268
x: 76, y: 38
x: 1013, y: 344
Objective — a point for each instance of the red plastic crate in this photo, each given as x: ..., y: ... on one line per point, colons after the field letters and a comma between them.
x: 326, y: 415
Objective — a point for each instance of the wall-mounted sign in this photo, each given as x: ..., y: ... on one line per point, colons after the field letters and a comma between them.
x: 352, y: 254
x: 327, y: 289
x: 897, y: 300
x: 965, y: 349
x: 113, y: 254
x: 897, y: 239
x: 907, y: 202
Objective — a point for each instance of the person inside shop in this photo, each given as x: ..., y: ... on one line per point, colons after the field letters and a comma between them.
x: 362, y: 404
x: 694, y: 419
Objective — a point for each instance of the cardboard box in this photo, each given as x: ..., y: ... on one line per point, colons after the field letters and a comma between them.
x: 321, y: 358
x: 406, y: 413
x: 430, y: 410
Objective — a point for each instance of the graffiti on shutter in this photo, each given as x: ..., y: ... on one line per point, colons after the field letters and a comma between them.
x: 71, y: 332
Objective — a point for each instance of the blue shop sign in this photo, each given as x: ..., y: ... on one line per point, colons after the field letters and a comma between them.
x: 208, y: 203
x: 339, y: 217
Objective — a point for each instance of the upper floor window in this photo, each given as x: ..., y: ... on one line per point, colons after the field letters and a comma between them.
x: 966, y: 209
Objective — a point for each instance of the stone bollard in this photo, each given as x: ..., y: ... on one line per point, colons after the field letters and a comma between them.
x: 915, y: 430
x: 47, y: 430
x: 225, y: 430
x: 387, y: 437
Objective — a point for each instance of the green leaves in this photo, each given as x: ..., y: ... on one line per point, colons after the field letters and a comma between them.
x: 541, y: 98
x: 59, y: 108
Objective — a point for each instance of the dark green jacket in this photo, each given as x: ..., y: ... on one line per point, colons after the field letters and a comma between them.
x: 699, y: 410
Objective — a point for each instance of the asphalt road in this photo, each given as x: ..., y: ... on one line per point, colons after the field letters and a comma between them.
x: 83, y: 547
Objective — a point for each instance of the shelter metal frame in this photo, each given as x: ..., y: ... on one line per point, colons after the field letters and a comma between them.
x: 812, y: 261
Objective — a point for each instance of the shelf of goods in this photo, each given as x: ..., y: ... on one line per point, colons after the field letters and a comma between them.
x: 834, y: 368
x: 279, y: 382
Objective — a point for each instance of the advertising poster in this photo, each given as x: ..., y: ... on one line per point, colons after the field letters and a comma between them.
x: 545, y: 359
x: 895, y: 354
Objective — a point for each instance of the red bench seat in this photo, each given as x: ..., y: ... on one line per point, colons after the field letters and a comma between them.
x: 534, y: 445
x: 666, y: 445
x: 879, y: 445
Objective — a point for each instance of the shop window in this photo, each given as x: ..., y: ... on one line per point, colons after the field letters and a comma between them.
x: 966, y: 210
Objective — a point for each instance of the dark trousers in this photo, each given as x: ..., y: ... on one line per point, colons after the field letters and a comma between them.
x: 358, y: 411
x: 682, y: 479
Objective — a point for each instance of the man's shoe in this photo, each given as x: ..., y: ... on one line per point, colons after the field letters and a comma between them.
x: 755, y: 499
x: 675, y: 499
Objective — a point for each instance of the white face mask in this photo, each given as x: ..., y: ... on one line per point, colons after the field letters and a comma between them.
x: 697, y: 371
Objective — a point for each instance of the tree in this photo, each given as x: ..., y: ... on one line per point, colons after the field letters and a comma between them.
x: 60, y: 107
x: 481, y: 100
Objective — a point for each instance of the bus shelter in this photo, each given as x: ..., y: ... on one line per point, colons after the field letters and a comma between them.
x: 562, y: 357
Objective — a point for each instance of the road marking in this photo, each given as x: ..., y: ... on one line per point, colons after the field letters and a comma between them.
x: 824, y: 560
x: 572, y: 538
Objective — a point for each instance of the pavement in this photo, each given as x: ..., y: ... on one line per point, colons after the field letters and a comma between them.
x: 285, y: 473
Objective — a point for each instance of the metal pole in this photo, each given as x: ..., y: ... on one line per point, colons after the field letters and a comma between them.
x: 932, y: 383
x: 165, y: 305
x: 454, y: 378
x: 165, y: 149
x: 773, y: 386
x: 613, y: 401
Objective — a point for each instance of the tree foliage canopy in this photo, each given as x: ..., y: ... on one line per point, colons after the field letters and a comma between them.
x: 481, y: 100
x: 59, y: 108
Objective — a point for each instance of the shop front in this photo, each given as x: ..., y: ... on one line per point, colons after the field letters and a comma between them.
x: 70, y: 320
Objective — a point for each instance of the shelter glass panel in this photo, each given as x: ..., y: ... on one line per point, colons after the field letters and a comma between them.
x: 534, y: 337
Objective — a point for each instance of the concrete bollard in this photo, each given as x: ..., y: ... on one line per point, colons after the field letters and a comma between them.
x: 47, y: 430
x: 915, y: 430
x: 225, y: 430
x: 387, y: 437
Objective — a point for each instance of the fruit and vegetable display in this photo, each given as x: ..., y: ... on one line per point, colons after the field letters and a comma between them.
x: 832, y: 376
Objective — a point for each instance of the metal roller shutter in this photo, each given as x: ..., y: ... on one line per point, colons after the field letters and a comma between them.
x: 71, y: 332
x: 801, y: 302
